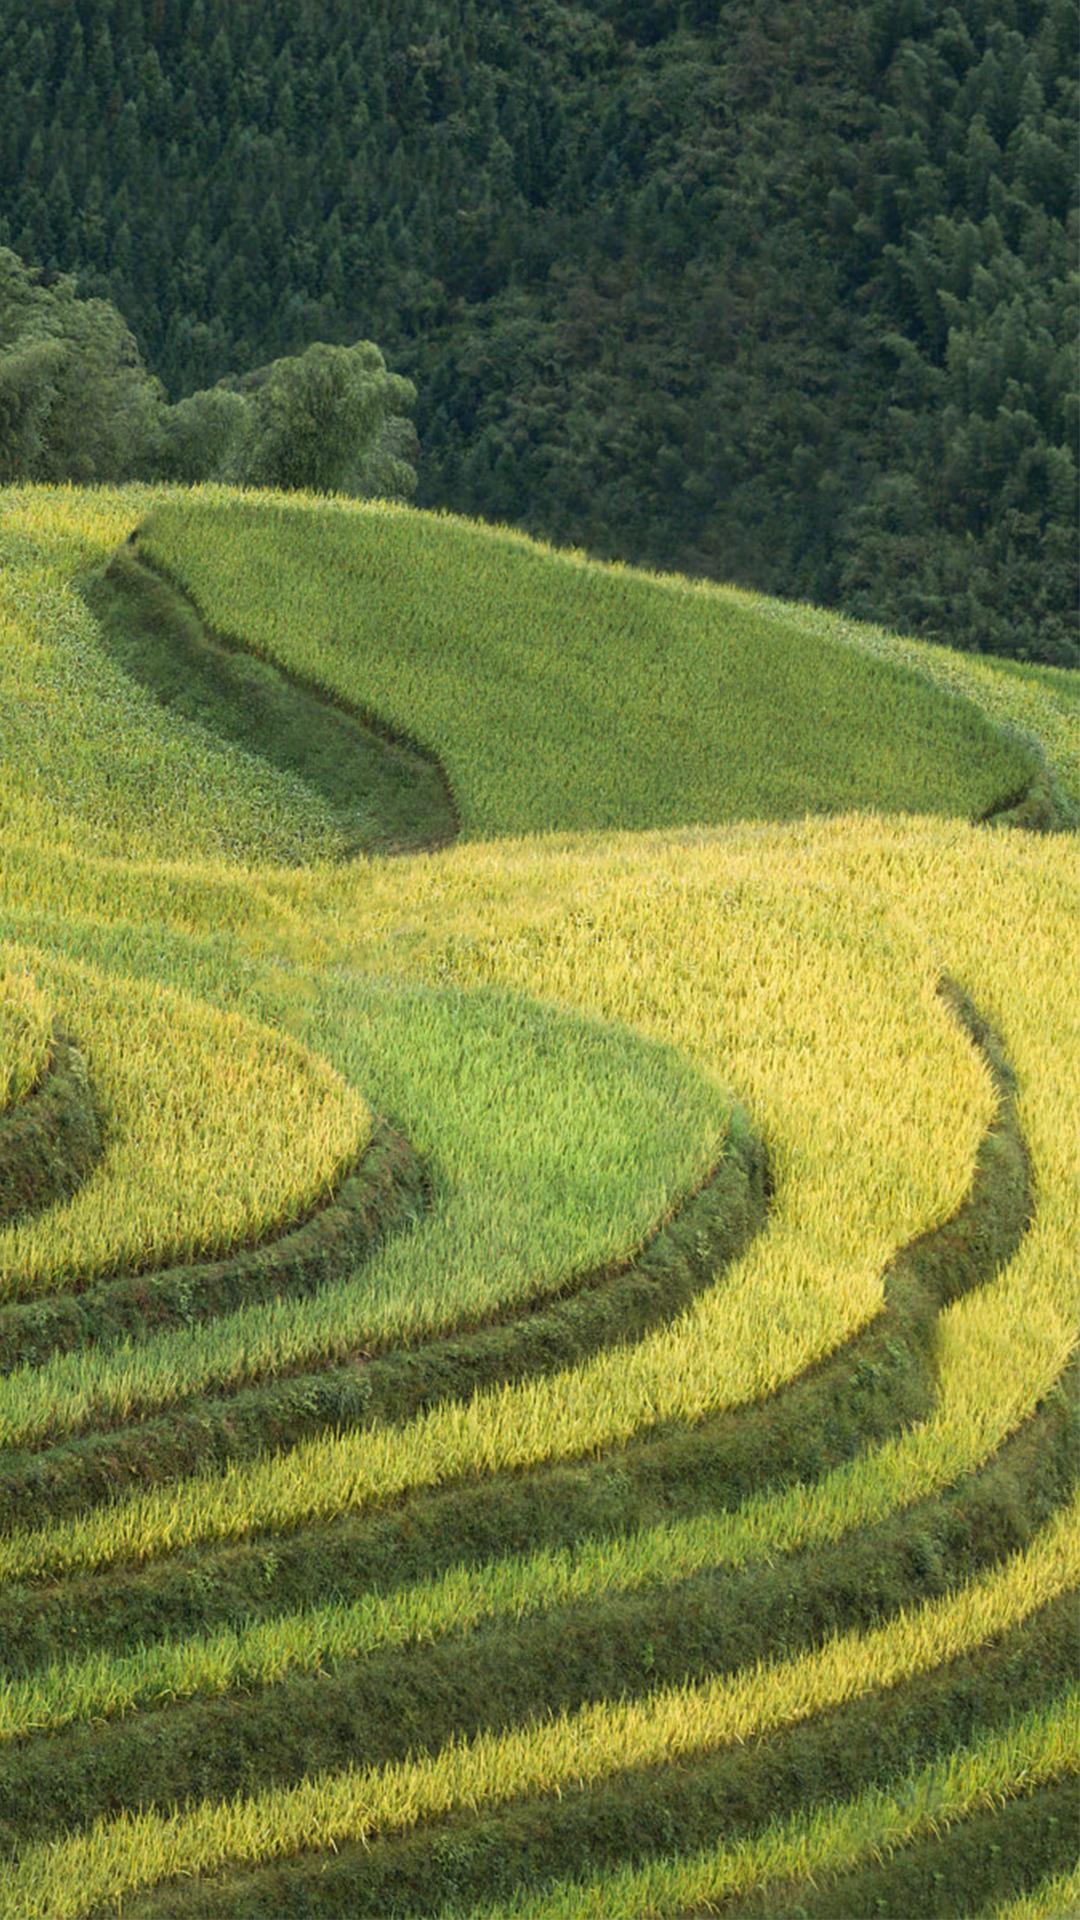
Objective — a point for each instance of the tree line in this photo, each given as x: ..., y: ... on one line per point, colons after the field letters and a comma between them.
x: 778, y: 294
x: 77, y: 403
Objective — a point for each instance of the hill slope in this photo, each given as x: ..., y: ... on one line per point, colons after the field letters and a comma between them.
x: 548, y: 691
x: 553, y: 1389
x: 561, y: 694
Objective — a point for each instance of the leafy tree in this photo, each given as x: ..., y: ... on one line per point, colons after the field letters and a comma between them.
x: 75, y: 400
x: 316, y: 419
x: 28, y: 370
x: 198, y: 438
x: 76, y: 403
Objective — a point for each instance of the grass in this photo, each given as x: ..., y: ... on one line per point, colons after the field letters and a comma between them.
x: 50, y: 1141
x: 603, y: 1308
x: 789, y: 1856
x: 217, y: 1131
x: 382, y: 795
x: 488, y: 1646
x: 26, y: 1025
x: 802, y: 1430
x: 555, y: 1143
x: 639, y: 1812
x: 384, y: 1192
x: 990, y: 1851
x: 553, y: 1544
x: 566, y: 695
x: 1034, y: 704
x: 71, y: 1876
x: 1054, y: 1899
x: 320, y: 1638
x: 175, y: 788
x: 818, y: 1005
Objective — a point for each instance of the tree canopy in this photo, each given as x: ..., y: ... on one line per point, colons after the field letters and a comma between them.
x: 77, y: 403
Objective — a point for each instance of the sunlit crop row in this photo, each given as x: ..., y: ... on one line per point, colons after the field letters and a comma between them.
x: 217, y: 1131
x: 69, y: 1877
x: 560, y: 1025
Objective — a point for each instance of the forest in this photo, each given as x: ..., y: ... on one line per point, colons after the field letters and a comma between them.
x: 775, y: 294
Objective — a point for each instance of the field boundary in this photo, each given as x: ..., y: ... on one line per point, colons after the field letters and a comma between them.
x: 51, y: 1138
x: 386, y: 1188
x: 156, y: 603
x: 610, y: 1305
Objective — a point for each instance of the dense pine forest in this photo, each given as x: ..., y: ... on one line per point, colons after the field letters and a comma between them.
x: 778, y: 293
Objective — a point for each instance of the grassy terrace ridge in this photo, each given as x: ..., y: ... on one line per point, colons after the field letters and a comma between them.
x: 51, y: 1139
x: 562, y: 694
x: 576, y: 1412
x: 946, y: 1871
x: 882, y: 1378
x: 383, y: 795
x: 702, y: 1363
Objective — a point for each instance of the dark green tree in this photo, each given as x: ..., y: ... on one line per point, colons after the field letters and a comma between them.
x: 75, y: 400
x: 315, y: 419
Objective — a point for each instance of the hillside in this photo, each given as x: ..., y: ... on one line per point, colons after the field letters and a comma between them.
x: 548, y: 691
x: 779, y: 294
x: 537, y: 1321
x: 569, y: 695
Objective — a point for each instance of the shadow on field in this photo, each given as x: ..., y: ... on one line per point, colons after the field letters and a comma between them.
x: 385, y: 794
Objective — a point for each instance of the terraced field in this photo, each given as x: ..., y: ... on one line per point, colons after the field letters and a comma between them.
x: 538, y: 1376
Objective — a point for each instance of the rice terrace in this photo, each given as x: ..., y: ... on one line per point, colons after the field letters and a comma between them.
x: 539, y: 1225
